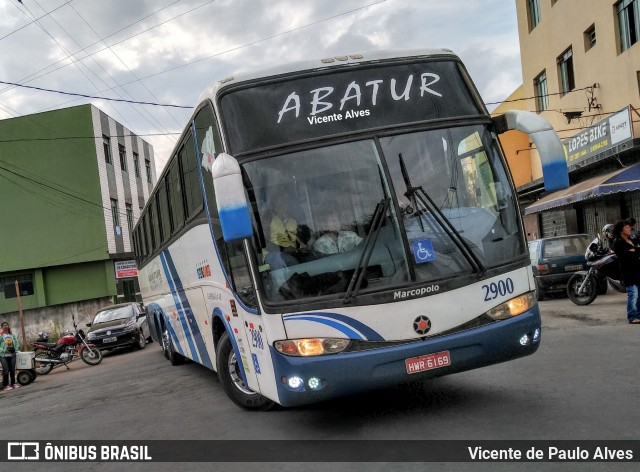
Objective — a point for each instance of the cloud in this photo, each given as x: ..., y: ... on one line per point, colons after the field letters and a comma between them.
x: 169, y: 51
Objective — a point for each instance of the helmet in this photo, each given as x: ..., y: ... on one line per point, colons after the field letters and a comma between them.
x: 607, y: 231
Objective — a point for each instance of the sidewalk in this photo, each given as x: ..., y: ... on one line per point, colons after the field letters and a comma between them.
x: 609, y: 309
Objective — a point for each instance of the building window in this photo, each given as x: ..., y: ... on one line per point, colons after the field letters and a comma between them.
x: 533, y: 10
x: 106, y: 145
x: 628, y: 22
x: 590, y: 37
x: 115, y: 215
x: 123, y: 157
x: 541, y: 92
x: 136, y: 164
x: 129, y: 211
x: 565, y: 71
x: 8, y: 285
x: 147, y: 165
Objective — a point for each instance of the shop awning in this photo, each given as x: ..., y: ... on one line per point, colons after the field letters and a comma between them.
x: 623, y: 180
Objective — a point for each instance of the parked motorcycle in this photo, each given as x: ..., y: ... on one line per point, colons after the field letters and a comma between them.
x: 584, y: 286
x: 69, y: 347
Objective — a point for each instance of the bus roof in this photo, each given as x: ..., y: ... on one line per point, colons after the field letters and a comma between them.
x: 323, y: 63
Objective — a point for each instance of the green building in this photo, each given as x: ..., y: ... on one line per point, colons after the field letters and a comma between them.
x: 72, y: 184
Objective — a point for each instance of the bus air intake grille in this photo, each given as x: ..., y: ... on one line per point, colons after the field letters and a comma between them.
x: 356, y: 346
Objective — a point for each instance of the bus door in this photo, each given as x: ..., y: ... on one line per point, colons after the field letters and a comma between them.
x: 249, y: 327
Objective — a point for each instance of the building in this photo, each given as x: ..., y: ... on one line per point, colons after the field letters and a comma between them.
x: 72, y: 184
x: 581, y: 71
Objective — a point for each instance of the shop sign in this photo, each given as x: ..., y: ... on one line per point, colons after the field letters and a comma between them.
x: 612, y: 131
x: 126, y: 269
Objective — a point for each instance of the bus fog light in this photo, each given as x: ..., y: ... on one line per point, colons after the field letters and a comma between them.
x: 536, y: 335
x: 525, y: 340
x: 295, y: 382
x: 314, y: 383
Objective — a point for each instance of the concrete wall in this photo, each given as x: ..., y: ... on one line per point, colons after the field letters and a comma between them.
x: 54, y: 319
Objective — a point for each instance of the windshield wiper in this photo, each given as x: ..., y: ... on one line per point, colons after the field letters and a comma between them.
x: 419, y: 195
x: 367, y: 249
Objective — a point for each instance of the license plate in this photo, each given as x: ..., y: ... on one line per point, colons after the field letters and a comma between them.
x: 567, y: 268
x: 110, y: 340
x: 428, y: 362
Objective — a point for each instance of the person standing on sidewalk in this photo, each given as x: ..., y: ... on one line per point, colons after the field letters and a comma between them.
x: 8, y: 347
x: 629, y: 258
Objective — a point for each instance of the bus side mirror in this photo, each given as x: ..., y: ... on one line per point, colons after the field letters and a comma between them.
x: 233, y: 208
x: 554, y: 164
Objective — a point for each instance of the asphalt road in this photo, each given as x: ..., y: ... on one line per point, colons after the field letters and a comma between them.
x: 580, y: 385
x: 606, y: 310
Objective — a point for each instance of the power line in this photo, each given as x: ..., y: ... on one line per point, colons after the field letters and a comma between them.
x: 120, y: 59
x: 54, y: 40
x: 34, y: 20
x: 535, y: 97
x: 142, y: 112
x: 33, y: 76
x: 94, y: 97
x: 56, y: 188
x: 207, y: 57
x: 252, y: 43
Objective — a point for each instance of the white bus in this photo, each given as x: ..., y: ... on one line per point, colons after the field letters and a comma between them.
x: 339, y: 225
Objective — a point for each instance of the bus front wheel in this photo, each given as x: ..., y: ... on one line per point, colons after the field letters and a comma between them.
x: 231, y: 379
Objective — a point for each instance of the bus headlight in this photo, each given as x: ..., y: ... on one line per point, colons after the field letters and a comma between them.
x: 311, y: 346
x: 513, y: 307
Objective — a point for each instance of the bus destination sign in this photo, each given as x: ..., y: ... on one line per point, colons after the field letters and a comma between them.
x: 344, y: 101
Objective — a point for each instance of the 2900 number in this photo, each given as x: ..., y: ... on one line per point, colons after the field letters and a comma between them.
x: 499, y: 289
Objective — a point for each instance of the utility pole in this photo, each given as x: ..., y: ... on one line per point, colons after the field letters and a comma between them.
x: 24, y: 337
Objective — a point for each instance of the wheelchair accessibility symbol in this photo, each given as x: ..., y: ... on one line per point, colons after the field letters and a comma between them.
x: 423, y: 251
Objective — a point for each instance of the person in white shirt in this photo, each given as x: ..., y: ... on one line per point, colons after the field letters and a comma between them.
x: 333, y: 239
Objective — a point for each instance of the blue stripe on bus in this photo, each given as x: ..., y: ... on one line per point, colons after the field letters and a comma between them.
x: 192, y: 322
x: 344, y: 324
x: 217, y: 311
x: 172, y: 334
x: 208, y: 213
x: 177, y: 301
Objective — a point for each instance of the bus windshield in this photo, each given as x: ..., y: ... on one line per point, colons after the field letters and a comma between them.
x: 449, y: 211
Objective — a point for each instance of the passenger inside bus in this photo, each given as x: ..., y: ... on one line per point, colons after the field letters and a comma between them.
x: 333, y: 237
x: 287, y: 243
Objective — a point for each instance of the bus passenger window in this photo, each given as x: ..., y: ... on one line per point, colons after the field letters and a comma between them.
x: 174, y: 189
x: 190, y: 178
x: 240, y: 273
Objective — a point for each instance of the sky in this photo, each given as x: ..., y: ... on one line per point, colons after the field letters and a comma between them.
x: 168, y: 51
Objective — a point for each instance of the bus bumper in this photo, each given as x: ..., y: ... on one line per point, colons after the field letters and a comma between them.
x: 303, y: 380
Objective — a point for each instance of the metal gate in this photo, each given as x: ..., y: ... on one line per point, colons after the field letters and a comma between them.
x: 553, y: 223
x: 594, y: 217
x: 633, y: 200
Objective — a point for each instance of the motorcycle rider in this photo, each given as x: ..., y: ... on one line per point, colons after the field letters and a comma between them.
x: 601, y: 245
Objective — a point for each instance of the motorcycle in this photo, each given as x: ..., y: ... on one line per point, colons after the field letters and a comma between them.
x: 585, y: 285
x: 68, y: 348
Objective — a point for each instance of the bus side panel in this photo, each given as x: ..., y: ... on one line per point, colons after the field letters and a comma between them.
x: 259, y: 355
x: 221, y: 304
x: 198, y: 332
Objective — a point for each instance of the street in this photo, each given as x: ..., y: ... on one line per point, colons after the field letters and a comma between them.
x: 580, y: 385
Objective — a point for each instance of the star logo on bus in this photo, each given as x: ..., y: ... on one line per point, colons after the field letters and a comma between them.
x: 422, y: 325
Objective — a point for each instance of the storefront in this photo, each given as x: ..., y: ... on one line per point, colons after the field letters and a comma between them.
x: 604, y: 170
x: 127, y: 281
